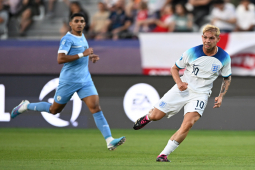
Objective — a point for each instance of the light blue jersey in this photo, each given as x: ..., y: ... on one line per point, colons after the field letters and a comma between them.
x: 74, y: 76
x: 76, y: 71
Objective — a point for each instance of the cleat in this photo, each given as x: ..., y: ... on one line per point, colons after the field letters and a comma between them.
x: 162, y: 158
x: 116, y: 142
x: 140, y: 123
x: 22, y: 107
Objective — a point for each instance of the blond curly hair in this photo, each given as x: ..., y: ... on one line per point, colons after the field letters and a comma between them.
x: 212, y: 28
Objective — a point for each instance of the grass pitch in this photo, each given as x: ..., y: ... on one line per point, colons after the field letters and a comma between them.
x: 86, y: 149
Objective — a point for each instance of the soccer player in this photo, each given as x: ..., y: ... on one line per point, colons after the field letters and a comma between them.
x: 203, y: 64
x: 74, y: 53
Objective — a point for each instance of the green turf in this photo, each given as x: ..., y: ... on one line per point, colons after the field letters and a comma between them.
x: 85, y: 149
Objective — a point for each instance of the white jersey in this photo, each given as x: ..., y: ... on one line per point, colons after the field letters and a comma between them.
x: 202, y: 70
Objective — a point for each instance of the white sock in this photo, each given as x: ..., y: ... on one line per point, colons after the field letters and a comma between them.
x: 148, y: 117
x: 108, y: 140
x: 170, y: 147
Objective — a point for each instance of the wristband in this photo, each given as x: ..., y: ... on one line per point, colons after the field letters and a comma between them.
x: 80, y: 55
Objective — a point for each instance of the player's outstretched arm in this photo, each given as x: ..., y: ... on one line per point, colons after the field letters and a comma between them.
x: 224, y: 88
x: 63, y: 58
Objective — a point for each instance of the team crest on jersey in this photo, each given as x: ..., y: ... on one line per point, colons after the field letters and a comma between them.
x: 162, y: 104
x: 63, y: 42
x: 215, y: 68
x: 58, y: 98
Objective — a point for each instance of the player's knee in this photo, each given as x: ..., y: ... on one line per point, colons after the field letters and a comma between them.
x: 188, y: 125
x: 55, y: 111
x: 95, y: 108
x: 155, y: 114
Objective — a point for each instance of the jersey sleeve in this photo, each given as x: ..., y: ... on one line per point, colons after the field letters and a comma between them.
x: 226, y: 70
x: 65, y: 45
x: 182, y: 62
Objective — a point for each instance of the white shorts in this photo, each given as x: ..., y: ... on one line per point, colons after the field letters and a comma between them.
x: 173, y: 101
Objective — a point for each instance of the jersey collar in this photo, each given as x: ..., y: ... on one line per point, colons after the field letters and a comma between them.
x: 74, y: 35
x: 214, y: 54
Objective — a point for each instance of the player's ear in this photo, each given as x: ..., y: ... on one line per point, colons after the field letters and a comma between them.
x: 218, y: 38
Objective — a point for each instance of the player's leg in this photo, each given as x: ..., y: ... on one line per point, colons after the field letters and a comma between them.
x: 168, y: 105
x: 93, y: 104
x: 40, y: 107
x: 89, y: 95
x: 46, y: 107
x: 193, y: 111
x: 154, y: 115
x: 62, y: 96
x: 188, y: 121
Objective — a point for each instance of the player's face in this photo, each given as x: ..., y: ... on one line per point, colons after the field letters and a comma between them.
x: 210, y: 40
x: 77, y: 24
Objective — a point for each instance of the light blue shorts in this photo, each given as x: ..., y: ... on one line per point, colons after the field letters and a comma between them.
x: 65, y: 91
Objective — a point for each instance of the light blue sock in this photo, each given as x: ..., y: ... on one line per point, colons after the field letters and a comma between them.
x: 41, y: 106
x: 102, y: 124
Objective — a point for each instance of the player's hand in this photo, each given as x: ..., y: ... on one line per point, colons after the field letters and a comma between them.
x: 94, y: 58
x: 88, y: 52
x: 218, y: 101
x: 182, y: 86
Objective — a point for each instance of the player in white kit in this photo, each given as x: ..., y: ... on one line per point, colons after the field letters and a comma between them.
x: 203, y: 65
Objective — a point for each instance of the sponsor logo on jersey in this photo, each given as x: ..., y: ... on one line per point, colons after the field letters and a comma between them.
x: 215, y: 68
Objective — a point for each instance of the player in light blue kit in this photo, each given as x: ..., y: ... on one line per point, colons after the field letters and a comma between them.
x: 74, y: 53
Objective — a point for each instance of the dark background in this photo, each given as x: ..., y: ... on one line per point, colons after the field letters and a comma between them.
x: 236, y: 112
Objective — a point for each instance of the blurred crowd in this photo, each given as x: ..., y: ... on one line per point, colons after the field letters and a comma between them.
x: 124, y: 19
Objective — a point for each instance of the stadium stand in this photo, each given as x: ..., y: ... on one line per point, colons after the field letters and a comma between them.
x: 47, y: 25
x: 48, y: 28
